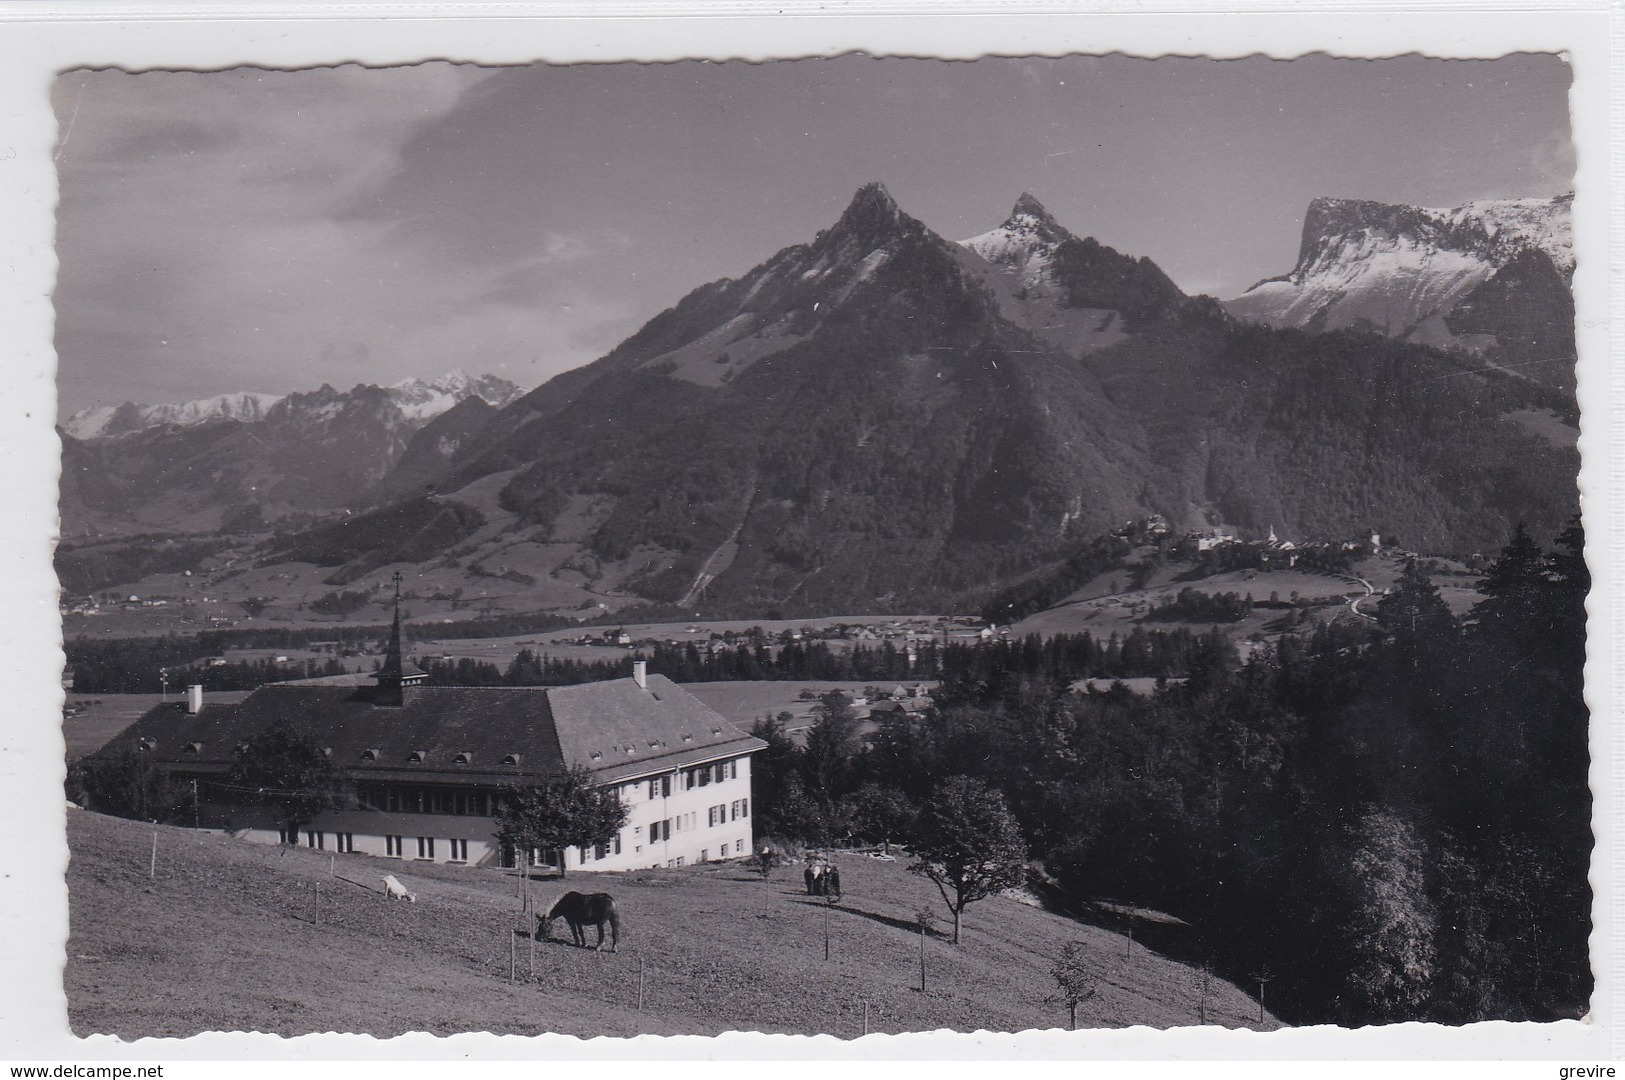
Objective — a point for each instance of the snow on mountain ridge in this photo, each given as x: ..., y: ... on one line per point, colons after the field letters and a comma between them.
x: 107, y: 421
x: 1400, y: 270
x: 1024, y: 244
x: 416, y: 399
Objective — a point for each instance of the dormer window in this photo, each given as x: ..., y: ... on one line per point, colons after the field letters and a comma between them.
x: 327, y: 751
x: 192, y: 748
x: 716, y: 731
x: 595, y: 755
x: 687, y: 737
x: 511, y: 759
x: 369, y: 755
x: 462, y: 759
x: 147, y: 745
x: 240, y: 749
x: 415, y: 757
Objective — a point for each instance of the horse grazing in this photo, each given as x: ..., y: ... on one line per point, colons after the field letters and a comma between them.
x: 581, y: 911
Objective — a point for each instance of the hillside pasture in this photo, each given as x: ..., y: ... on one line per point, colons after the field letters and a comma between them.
x: 232, y: 936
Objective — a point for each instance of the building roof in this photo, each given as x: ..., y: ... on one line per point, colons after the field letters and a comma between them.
x: 459, y: 735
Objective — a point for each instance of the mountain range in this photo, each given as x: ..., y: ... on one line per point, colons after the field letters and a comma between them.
x: 183, y: 467
x: 881, y: 419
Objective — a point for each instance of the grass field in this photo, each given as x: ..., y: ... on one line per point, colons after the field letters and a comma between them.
x: 230, y: 936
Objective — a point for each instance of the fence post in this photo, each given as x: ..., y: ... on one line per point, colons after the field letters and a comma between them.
x: 152, y: 868
x: 640, y: 984
x: 513, y: 954
x: 866, y: 1018
x: 826, y: 931
x: 922, y: 956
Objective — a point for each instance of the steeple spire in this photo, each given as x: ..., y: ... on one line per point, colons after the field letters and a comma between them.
x: 389, y: 676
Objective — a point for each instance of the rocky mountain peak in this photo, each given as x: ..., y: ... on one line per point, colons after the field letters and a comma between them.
x: 1030, y: 214
x: 872, y: 212
x: 1404, y: 271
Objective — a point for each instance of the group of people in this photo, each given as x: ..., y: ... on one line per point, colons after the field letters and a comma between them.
x: 822, y: 878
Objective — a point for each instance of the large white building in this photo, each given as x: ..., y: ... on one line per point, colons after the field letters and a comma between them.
x: 427, y: 764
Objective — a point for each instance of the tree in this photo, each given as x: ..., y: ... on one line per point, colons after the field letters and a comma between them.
x: 968, y: 842
x: 284, y: 768
x: 770, y: 771
x: 832, y: 743
x: 1416, y: 618
x: 1078, y: 977
x: 1514, y: 587
x: 880, y: 813
x: 130, y: 785
x: 564, y: 810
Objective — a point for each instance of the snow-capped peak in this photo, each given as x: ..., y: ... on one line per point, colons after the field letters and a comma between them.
x: 421, y: 400
x: 416, y: 399
x: 1025, y: 244
x: 108, y: 421
x: 1401, y: 270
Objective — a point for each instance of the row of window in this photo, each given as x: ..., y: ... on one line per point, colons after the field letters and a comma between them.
x: 394, y: 846
x: 601, y: 851
x: 417, y: 800
x: 700, y: 776
x: 705, y: 855
x: 397, y: 799
x: 722, y: 813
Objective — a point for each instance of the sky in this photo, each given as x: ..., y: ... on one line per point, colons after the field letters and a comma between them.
x: 271, y: 231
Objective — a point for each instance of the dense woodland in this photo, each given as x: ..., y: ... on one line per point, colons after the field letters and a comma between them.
x: 1399, y: 831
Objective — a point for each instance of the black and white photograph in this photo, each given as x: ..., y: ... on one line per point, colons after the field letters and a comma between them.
x: 847, y: 543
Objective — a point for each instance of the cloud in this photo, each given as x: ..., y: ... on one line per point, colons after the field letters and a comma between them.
x: 202, y: 224
x: 1553, y: 161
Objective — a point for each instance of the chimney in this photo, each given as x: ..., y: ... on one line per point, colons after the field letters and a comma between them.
x: 194, y: 699
x: 640, y: 673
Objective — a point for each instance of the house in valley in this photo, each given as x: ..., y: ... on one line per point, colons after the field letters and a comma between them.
x: 428, y: 764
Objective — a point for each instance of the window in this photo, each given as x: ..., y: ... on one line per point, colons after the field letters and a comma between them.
x: 705, y: 854
x: 744, y: 808
x: 425, y: 847
x: 316, y: 840
x: 660, y: 830
x: 660, y: 787
x: 459, y: 850
x: 739, y: 847
x: 343, y: 842
x: 616, y: 847
x: 392, y: 846
x: 733, y: 770
x: 720, y: 771
x: 599, y: 851
x: 704, y: 775
x: 392, y: 799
